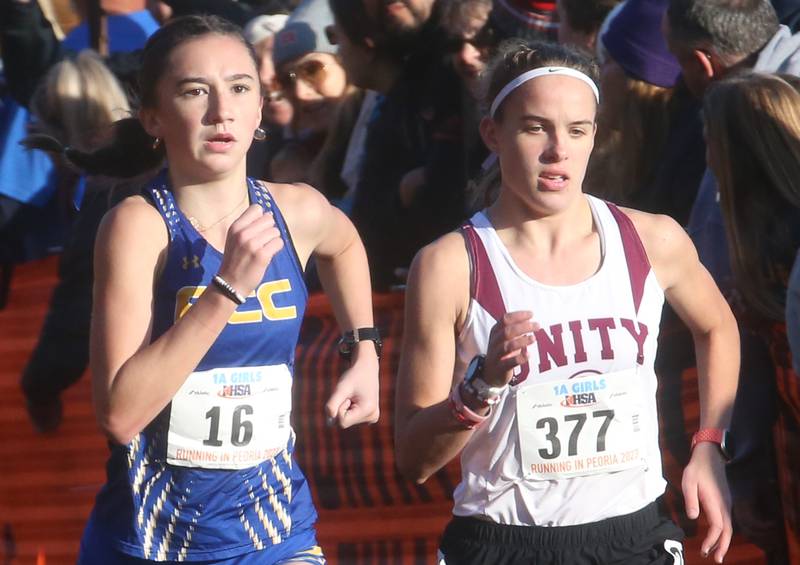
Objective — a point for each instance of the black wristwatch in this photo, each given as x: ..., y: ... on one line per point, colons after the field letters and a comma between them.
x: 474, y: 384
x: 350, y: 338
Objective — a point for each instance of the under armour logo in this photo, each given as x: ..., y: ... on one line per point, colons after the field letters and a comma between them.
x: 195, y: 262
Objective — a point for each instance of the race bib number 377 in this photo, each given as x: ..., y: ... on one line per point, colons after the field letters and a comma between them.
x: 579, y: 427
x: 230, y: 418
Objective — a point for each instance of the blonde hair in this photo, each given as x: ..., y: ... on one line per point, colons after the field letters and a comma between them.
x: 753, y: 130
x: 78, y: 100
x: 629, y: 146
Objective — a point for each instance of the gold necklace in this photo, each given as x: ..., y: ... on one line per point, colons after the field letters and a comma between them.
x: 201, y: 228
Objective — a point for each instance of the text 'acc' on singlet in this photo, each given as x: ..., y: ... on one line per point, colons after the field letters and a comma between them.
x: 213, y: 475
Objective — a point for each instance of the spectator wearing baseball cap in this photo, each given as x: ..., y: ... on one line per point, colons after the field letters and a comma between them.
x: 277, y: 111
x: 260, y: 32
x: 312, y: 78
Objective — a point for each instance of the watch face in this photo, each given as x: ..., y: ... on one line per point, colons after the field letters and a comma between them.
x: 474, y: 367
x: 727, y: 445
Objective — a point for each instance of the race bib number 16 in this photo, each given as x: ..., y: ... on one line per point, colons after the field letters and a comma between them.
x: 230, y: 418
x: 582, y: 426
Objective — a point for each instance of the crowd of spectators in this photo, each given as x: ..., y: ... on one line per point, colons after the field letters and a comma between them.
x: 377, y: 104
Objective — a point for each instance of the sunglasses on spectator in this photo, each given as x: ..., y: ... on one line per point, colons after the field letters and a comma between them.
x: 273, y: 92
x: 311, y: 72
x: 330, y: 34
x: 484, y: 40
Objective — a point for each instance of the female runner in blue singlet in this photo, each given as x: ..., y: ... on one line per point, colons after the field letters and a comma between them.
x: 198, y: 300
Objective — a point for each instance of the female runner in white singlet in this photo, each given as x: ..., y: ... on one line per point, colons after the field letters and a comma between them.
x: 529, y: 347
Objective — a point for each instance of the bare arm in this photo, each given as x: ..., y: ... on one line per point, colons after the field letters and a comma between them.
x: 427, y: 435
x: 695, y: 297
x: 133, y: 379
x: 322, y: 230
x: 691, y: 291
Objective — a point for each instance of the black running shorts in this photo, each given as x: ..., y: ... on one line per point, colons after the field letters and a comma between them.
x: 645, y: 537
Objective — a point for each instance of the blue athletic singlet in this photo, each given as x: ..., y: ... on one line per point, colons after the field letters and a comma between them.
x: 213, y: 476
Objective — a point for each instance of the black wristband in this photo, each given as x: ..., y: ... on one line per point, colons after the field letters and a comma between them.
x: 228, y: 290
x: 350, y: 338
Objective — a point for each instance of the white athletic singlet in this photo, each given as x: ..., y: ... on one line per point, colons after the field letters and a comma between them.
x: 575, y: 440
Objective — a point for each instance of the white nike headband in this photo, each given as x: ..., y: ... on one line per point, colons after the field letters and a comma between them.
x: 535, y: 73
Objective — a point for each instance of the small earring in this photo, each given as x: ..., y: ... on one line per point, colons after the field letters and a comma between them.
x: 156, y: 143
x: 260, y: 134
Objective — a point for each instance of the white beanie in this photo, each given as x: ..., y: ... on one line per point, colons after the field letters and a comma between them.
x: 263, y: 27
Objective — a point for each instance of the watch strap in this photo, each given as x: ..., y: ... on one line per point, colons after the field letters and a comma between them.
x: 486, y: 394
x: 474, y: 384
x: 713, y: 435
x: 719, y: 436
x: 351, y: 337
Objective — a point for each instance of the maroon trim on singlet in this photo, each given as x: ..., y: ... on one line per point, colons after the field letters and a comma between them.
x: 484, y: 287
x: 635, y: 255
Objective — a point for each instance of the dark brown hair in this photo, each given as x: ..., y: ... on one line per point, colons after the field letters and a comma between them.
x: 587, y: 16
x: 513, y: 58
x: 516, y: 56
x: 352, y: 18
x: 628, y: 147
x: 753, y: 129
x: 132, y: 150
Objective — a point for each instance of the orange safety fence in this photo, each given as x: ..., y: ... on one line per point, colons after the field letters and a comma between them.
x: 369, y: 514
x: 787, y: 438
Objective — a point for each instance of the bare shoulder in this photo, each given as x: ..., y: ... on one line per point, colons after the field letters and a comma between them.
x: 133, y: 230
x: 311, y: 220
x: 291, y: 192
x: 135, y: 216
x: 298, y: 199
x: 440, y: 276
x: 666, y: 242
x: 445, y: 258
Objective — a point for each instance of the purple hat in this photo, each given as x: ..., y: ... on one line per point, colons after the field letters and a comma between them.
x: 634, y: 40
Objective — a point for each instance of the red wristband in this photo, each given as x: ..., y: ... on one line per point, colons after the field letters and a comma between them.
x: 714, y: 435
x: 719, y: 436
